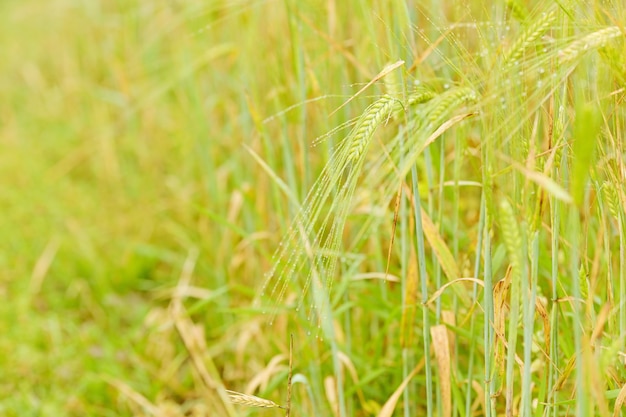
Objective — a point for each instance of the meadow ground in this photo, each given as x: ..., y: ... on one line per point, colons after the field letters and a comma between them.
x: 429, y: 196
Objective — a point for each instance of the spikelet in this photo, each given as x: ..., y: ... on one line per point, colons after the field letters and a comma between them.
x: 377, y: 113
x: 251, y: 400
x: 612, y: 198
x: 449, y: 101
x: 591, y: 41
x: 421, y: 95
x: 529, y: 37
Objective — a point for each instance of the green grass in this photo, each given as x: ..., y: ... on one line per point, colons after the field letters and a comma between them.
x: 187, y: 184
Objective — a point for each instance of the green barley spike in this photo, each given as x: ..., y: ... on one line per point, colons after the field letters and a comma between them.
x: 518, y: 10
x: 612, y: 197
x: 421, y: 95
x: 449, y: 101
x: 589, y: 42
x: 376, y: 114
x: 529, y: 37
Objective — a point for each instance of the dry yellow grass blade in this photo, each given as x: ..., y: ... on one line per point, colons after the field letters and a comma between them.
x: 407, y: 328
x: 390, y: 405
x: 42, y: 266
x: 442, y: 354
x: 380, y: 75
x: 262, y: 378
x: 560, y: 383
x: 192, y: 336
x: 396, y: 212
x: 440, y: 291
x: 443, y: 128
x: 619, y: 401
x: 500, y: 310
x: 542, y: 180
x: 596, y: 386
x: 442, y: 252
x: 330, y: 388
x: 598, y: 328
x: 480, y: 398
x: 543, y: 313
x: 134, y: 396
x: 347, y: 362
x: 251, y: 400
x: 448, y: 317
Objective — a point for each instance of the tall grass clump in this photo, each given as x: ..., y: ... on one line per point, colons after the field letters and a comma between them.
x: 528, y: 104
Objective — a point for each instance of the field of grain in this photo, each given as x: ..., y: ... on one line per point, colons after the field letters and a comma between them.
x: 302, y: 208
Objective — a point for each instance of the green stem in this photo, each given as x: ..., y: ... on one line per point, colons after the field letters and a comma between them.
x: 421, y: 260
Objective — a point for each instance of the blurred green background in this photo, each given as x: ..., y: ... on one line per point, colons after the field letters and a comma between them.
x: 121, y: 127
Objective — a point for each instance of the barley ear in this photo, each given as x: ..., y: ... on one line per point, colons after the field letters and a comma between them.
x: 518, y: 9
x: 612, y: 197
x: 420, y: 95
x: 591, y: 41
x: 376, y: 114
x: 449, y: 101
x: 529, y: 37
x: 251, y: 400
